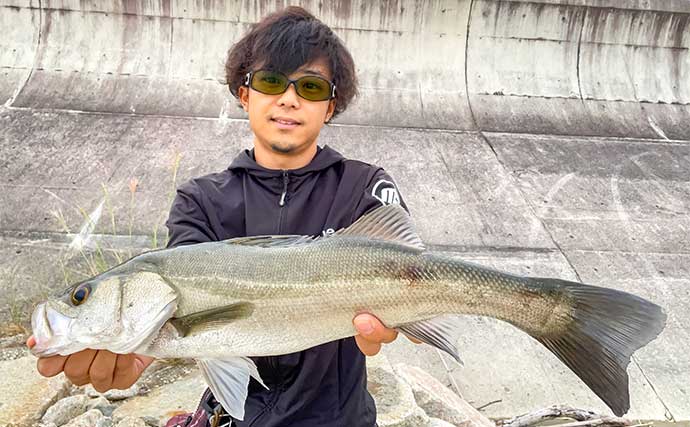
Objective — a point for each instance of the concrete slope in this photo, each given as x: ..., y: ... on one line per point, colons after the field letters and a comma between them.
x: 547, y: 138
x: 606, y: 211
x: 563, y: 67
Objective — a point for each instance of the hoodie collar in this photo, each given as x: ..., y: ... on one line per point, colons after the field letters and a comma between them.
x: 324, y: 158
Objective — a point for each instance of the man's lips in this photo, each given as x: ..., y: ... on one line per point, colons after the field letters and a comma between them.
x: 285, y: 123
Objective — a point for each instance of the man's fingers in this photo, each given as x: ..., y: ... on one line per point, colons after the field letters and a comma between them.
x: 51, y: 366
x: 102, y: 370
x: 368, y: 348
x: 78, y: 365
x: 128, y: 369
x: 371, y: 329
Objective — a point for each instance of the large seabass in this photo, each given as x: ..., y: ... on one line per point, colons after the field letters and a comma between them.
x: 221, y: 302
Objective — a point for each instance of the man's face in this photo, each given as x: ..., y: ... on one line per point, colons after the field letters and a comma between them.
x: 287, y: 123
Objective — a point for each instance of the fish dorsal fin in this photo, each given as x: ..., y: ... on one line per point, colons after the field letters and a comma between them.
x: 269, y: 241
x: 389, y: 222
x: 208, y: 319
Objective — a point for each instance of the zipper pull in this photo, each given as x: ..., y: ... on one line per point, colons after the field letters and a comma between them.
x: 285, y: 188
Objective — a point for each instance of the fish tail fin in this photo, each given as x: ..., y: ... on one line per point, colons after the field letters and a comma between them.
x: 607, y: 326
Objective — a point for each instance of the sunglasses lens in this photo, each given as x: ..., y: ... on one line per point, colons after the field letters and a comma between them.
x: 269, y: 82
x: 313, y: 88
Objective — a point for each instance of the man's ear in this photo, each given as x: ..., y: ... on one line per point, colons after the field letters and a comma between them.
x: 330, y: 111
x: 243, y: 93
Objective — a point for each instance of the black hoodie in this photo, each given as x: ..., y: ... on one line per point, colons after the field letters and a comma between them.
x: 323, y: 385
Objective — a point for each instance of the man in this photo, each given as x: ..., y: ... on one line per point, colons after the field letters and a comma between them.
x: 291, y: 74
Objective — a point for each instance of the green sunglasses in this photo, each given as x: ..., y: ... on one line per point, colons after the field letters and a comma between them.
x: 311, y: 88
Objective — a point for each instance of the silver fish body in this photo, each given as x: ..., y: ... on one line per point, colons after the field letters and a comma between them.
x: 220, y: 302
x: 317, y: 288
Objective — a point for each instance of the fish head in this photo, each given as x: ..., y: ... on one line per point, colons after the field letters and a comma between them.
x: 120, y: 313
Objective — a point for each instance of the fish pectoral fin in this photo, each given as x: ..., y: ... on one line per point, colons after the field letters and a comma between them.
x: 207, y: 319
x: 389, y: 222
x: 228, y: 379
x: 441, y: 332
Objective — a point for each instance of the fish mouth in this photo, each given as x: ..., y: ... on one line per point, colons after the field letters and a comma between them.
x: 50, y: 329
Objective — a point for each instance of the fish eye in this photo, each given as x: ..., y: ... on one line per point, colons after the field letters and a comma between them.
x: 80, y: 294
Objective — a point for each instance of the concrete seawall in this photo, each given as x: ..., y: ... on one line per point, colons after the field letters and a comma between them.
x: 588, y: 67
x: 548, y: 138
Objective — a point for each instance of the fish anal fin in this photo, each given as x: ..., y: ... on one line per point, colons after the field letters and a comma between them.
x: 389, y: 222
x: 228, y: 379
x: 441, y: 332
x: 207, y: 319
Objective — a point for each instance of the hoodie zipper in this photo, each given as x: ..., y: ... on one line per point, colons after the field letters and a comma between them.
x: 283, y: 201
x: 272, y: 361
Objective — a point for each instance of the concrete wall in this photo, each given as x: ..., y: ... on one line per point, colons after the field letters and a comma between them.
x: 605, y: 210
x: 580, y: 67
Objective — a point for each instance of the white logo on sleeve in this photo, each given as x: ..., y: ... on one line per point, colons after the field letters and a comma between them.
x: 386, y: 193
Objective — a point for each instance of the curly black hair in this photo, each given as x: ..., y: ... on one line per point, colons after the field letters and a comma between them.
x: 286, y: 40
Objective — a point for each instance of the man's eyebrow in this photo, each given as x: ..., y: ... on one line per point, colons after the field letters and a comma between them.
x: 318, y: 73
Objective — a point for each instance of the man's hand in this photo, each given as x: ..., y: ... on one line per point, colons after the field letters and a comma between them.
x: 372, y: 334
x: 103, y: 369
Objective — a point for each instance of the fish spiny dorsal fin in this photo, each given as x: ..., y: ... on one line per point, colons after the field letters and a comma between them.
x: 271, y: 241
x: 390, y: 222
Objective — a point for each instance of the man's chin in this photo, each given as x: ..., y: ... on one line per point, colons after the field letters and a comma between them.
x: 283, y: 148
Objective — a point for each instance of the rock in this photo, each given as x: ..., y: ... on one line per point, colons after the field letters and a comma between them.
x: 114, y: 395
x: 152, y: 421
x: 25, y: 394
x: 165, y: 401
x: 395, y: 404
x: 435, y: 422
x: 66, y: 409
x: 102, y: 404
x: 90, y: 418
x: 439, y: 401
x: 130, y: 421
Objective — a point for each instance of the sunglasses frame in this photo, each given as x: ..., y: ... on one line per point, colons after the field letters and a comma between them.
x: 250, y: 75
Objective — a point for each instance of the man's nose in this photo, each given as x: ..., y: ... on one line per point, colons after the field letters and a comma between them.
x: 289, y: 98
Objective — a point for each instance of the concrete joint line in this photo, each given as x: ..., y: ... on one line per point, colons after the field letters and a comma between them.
x: 532, y: 208
x: 579, y: 47
x: 620, y: 100
x: 592, y: 138
x: 21, y: 87
x: 170, y: 51
x: 473, y: 249
x: 421, y: 100
x: 656, y: 128
x: 668, y: 414
x: 634, y: 45
x: 467, y: 86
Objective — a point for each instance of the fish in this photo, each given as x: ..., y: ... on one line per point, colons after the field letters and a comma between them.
x: 223, y: 302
